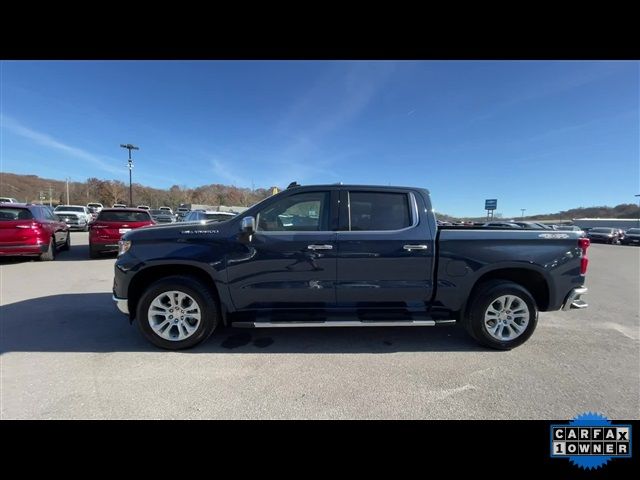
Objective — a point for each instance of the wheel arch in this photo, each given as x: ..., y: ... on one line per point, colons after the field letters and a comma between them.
x: 150, y: 274
x: 531, y: 279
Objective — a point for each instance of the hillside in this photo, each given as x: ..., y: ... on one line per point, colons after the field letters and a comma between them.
x: 31, y: 188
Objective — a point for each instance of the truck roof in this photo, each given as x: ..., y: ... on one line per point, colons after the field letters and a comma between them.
x: 354, y: 185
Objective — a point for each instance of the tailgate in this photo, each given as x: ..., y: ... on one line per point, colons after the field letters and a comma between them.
x: 17, y: 232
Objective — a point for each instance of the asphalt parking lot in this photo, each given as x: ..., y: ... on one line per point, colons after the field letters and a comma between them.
x: 67, y: 353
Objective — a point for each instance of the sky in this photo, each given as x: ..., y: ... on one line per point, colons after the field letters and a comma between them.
x: 540, y: 135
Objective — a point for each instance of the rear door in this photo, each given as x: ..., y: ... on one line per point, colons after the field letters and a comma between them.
x: 385, y: 253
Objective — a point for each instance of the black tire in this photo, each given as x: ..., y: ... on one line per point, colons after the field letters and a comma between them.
x: 67, y: 244
x: 201, y: 294
x: 486, y: 294
x: 93, y: 252
x: 50, y: 253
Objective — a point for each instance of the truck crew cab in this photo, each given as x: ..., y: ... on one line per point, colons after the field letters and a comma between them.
x: 345, y: 255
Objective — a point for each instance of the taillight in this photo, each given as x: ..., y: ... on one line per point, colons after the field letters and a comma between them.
x: 31, y: 226
x: 584, y: 243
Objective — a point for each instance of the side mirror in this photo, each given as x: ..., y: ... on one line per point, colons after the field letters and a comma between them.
x: 248, y: 225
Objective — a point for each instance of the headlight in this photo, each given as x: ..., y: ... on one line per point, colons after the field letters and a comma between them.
x: 123, y: 246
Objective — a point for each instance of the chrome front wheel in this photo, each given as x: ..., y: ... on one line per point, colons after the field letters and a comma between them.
x: 174, y: 315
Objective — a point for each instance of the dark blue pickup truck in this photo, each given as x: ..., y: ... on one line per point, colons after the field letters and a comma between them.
x: 345, y: 255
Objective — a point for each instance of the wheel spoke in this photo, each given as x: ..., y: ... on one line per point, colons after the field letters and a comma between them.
x: 159, y: 327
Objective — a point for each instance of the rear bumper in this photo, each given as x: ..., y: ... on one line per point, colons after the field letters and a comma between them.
x: 106, y: 244
x: 574, y: 299
x: 23, y: 250
x: 122, y: 304
x: 76, y: 226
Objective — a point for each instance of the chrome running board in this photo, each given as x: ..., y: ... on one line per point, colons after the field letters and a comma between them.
x: 344, y: 323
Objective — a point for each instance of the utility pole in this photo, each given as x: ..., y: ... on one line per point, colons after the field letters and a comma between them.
x: 130, y: 147
x: 50, y: 195
x: 67, y: 190
x: 522, y: 210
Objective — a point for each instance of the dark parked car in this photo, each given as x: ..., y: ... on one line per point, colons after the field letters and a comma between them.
x: 631, y: 237
x: 345, y: 255
x: 182, y: 212
x: 533, y: 225
x: 31, y: 230
x: 111, y: 224
x: 501, y: 225
x: 207, y: 215
x: 569, y: 228
x: 604, y: 234
x: 162, y: 216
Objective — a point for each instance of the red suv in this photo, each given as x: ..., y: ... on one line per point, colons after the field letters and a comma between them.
x: 31, y: 230
x: 111, y: 224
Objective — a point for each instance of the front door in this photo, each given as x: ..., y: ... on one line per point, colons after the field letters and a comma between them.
x: 385, y: 254
x: 290, y: 260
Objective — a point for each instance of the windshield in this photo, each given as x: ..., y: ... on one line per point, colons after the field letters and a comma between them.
x: 125, y: 216
x: 12, y: 214
x: 602, y: 230
x: 69, y: 209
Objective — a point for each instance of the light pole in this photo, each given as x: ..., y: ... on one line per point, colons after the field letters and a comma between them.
x: 638, y: 195
x: 130, y: 147
x: 523, y: 210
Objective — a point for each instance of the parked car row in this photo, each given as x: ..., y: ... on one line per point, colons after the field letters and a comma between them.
x: 610, y: 235
x: 614, y: 236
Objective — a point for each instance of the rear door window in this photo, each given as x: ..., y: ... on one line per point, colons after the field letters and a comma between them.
x: 370, y: 211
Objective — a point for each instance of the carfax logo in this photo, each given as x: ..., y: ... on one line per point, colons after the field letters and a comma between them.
x: 590, y: 440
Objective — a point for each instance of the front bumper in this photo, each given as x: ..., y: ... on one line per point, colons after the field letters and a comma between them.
x: 574, y: 299
x: 122, y: 304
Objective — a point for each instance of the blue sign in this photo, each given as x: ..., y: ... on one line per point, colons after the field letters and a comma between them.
x: 491, y: 204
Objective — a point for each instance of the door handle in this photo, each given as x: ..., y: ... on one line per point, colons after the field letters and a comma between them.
x: 415, y: 247
x: 320, y: 247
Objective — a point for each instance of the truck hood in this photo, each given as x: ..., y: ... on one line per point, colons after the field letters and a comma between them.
x: 180, y: 230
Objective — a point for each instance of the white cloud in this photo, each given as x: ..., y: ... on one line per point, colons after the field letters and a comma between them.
x: 224, y: 171
x: 48, y: 141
